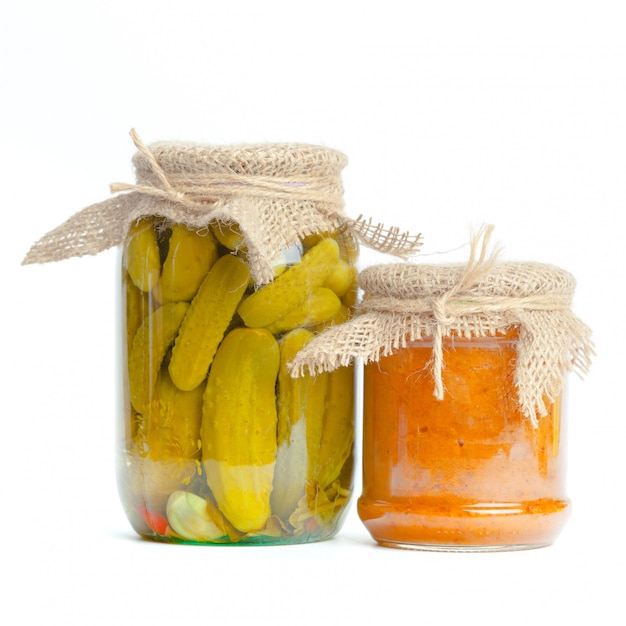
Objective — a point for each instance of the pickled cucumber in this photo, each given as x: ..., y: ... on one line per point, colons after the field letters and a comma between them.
x: 292, y: 287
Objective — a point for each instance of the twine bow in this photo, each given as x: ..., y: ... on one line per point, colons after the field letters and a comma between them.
x: 446, y: 308
x: 166, y: 191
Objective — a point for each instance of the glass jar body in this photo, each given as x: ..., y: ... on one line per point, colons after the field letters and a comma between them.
x: 468, y: 472
x: 217, y: 444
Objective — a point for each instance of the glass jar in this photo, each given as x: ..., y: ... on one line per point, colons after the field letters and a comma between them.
x: 466, y: 472
x: 234, y: 259
x: 217, y: 442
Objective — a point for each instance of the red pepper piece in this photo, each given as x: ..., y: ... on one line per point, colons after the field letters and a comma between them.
x: 155, y: 521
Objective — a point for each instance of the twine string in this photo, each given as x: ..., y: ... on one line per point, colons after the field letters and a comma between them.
x: 448, y: 309
x: 475, y: 269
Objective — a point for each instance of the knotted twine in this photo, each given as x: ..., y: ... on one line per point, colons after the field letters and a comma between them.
x: 276, y: 193
x: 406, y: 302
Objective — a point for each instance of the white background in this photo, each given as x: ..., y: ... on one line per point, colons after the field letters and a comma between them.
x: 452, y: 115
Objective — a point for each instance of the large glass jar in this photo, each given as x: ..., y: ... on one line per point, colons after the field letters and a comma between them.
x: 233, y: 260
x: 466, y: 472
x: 217, y: 442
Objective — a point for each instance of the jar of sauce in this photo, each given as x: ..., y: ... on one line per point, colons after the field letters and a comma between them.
x: 463, y: 418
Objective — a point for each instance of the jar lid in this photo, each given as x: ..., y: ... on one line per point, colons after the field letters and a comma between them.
x: 276, y: 160
x: 276, y: 193
x: 407, y: 302
x: 407, y: 281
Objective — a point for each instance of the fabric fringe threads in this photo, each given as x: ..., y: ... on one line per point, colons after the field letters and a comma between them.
x: 408, y: 302
x: 276, y: 193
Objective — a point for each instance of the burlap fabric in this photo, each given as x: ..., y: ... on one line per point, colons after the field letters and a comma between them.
x: 277, y: 193
x: 408, y: 302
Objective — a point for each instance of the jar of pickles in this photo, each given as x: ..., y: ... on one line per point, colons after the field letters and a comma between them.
x: 233, y: 259
x: 463, y: 420
x: 218, y: 443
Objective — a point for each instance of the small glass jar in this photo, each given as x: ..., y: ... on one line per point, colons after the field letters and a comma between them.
x: 464, y: 373
x: 218, y: 443
x: 468, y: 472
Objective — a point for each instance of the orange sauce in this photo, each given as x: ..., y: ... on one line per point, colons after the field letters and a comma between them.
x: 469, y: 472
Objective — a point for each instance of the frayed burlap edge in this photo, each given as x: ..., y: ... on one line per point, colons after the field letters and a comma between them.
x: 276, y: 193
x: 552, y: 340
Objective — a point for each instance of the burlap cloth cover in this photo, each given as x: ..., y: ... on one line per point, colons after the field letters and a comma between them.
x: 407, y: 302
x: 277, y: 193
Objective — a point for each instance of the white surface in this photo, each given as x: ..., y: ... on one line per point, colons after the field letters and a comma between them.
x: 454, y: 115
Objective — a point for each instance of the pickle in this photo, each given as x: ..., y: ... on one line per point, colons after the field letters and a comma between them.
x: 151, y: 343
x: 292, y: 287
x: 341, y: 278
x: 172, y: 421
x: 337, y: 436
x: 138, y: 306
x: 189, y: 258
x: 239, y: 426
x: 228, y: 234
x: 209, y: 316
x: 142, y: 257
x: 301, y: 403
x: 320, y: 306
